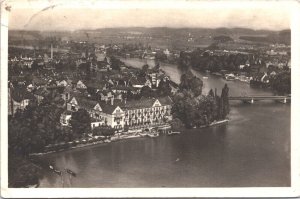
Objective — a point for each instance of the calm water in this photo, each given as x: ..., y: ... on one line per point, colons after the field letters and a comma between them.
x: 253, y: 149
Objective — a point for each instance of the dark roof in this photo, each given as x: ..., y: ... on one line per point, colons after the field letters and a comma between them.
x: 95, y: 84
x: 19, y: 94
x: 146, y: 102
x: 107, y: 107
x: 120, y: 87
x: 85, y: 102
x: 41, y: 92
x: 39, y: 81
x: 138, y: 80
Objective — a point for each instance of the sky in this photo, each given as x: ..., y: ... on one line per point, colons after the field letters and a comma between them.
x: 59, y: 15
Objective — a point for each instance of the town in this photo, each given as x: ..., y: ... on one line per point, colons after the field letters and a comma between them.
x: 75, y: 93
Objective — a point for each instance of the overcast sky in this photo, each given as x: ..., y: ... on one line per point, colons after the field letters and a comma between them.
x: 34, y: 16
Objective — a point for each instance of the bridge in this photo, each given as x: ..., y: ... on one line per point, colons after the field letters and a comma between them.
x: 253, y: 98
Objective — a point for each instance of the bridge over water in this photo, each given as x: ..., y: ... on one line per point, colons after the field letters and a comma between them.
x: 252, y: 98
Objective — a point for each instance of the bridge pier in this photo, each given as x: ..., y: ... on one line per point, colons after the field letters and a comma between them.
x: 248, y: 101
x: 284, y: 101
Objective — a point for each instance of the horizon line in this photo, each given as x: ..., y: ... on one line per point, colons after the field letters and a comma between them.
x: 145, y: 27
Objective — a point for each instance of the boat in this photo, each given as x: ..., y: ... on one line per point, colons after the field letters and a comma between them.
x: 143, y: 134
x: 70, y: 172
x: 219, y: 122
x: 204, y: 77
x: 230, y: 77
x: 173, y: 133
x: 153, y: 135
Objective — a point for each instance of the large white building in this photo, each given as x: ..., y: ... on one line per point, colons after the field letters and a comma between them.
x: 118, y: 114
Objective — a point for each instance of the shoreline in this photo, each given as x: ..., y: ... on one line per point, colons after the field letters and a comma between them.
x: 119, y: 138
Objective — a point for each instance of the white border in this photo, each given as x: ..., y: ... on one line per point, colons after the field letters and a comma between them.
x: 292, y: 191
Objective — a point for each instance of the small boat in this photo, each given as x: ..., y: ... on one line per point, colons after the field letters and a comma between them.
x: 143, y: 134
x: 230, y: 77
x: 173, y: 133
x: 57, y: 172
x: 153, y: 135
x: 70, y: 172
x: 33, y: 186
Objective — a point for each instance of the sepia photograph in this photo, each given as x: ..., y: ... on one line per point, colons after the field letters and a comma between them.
x: 162, y: 96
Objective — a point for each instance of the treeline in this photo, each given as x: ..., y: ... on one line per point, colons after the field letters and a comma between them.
x: 281, y: 83
x: 193, y: 109
x: 30, y: 131
x: 202, y: 61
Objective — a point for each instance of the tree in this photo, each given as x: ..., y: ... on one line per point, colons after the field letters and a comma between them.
x: 22, y: 173
x: 80, y: 122
x: 190, y: 82
x: 145, y: 68
x: 164, y: 88
x: 176, y: 124
x: 211, y: 93
x: 224, y: 102
x: 146, y: 91
x: 282, y: 83
x: 103, y: 130
x: 194, y: 111
x: 115, y: 63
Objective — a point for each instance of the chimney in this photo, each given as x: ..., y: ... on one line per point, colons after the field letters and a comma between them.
x: 51, y: 51
x: 112, y: 101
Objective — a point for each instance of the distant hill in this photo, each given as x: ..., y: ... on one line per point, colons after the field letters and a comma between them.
x: 283, y: 36
x: 161, y: 37
x: 222, y: 38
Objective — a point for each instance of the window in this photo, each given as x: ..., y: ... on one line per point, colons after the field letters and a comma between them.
x: 97, y: 115
x: 73, y: 108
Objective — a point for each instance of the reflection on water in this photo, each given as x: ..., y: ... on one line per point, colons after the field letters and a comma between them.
x: 253, y: 149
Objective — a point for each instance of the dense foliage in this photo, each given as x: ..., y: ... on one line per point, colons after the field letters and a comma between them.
x: 201, y: 60
x: 281, y: 84
x: 30, y: 131
x: 80, y: 122
x: 194, y: 109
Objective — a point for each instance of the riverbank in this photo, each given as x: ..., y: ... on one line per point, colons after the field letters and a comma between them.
x: 117, y: 137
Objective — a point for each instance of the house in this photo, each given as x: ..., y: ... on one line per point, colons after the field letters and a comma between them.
x: 65, y: 118
x: 140, y: 82
x: 18, y: 98
x: 265, y: 78
x: 40, y: 94
x: 63, y: 83
x: 80, y: 85
x: 106, y: 95
x: 106, y: 114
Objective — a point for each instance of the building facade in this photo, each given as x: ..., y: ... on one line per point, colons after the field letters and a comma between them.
x: 135, y: 114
